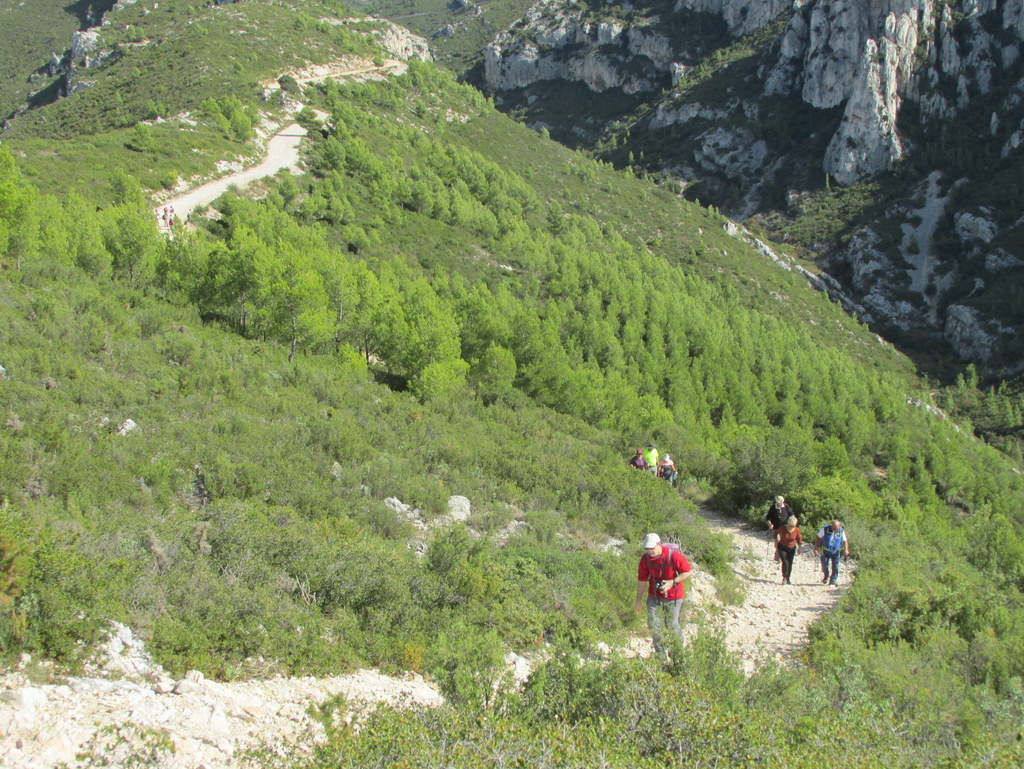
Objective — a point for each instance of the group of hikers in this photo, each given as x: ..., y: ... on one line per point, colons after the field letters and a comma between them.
x: 663, y: 568
x: 657, y: 464
x: 830, y: 542
x: 166, y: 218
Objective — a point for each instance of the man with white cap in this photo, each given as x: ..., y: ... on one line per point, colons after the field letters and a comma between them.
x: 662, y: 571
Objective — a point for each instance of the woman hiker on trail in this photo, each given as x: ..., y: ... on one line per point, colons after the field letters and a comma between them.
x: 787, y: 546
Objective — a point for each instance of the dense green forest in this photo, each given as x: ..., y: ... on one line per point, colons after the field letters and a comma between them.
x: 448, y: 303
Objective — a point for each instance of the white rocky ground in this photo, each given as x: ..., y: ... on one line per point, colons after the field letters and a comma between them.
x: 128, y: 711
x: 772, y: 621
x: 132, y: 713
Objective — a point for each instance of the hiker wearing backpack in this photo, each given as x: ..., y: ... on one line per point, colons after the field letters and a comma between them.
x: 787, y: 546
x: 667, y: 470
x: 831, y: 541
x: 663, y: 567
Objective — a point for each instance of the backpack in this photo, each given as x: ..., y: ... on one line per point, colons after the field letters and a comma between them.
x: 668, y: 548
x: 831, y: 541
x: 777, y: 516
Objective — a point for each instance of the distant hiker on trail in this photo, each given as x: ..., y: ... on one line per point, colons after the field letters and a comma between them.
x: 787, y: 546
x: 778, y: 514
x: 832, y: 541
x: 667, y: 469
x: 662, y: 571
x: 651, y: 455
x: 638, y: 462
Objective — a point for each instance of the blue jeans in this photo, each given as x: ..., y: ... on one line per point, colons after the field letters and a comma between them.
x: 827, y: 560
x: 670, y: 608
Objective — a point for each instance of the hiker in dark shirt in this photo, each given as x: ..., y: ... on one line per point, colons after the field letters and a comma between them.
x: 778, y: 514
x: 638, y: 462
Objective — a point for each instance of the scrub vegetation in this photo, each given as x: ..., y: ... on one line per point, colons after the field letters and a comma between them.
x: 448, y: 303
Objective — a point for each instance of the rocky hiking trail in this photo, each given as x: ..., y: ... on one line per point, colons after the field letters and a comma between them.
x: 127, y: 705
x: 772, y: 621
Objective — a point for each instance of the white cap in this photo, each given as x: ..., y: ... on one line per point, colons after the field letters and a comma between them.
x: 651, y: 540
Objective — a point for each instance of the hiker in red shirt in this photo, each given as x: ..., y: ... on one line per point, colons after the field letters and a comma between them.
x: 662, y: 571
x: 787, y: 546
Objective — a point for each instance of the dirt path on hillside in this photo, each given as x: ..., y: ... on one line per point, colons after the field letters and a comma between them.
x: 772, y: 621
x: 126, y: 698
x: 282, y: 152
x: 282, y: 149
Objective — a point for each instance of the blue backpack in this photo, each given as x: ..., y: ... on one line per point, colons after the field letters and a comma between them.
x: 831, y: 541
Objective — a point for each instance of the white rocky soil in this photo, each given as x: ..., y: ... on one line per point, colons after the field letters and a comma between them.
x: 131, y: 713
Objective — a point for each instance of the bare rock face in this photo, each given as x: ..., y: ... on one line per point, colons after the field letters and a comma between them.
x: 742, y: 16
x: 966, y: 333
x: 401, y: 43
x: 1013, y: 16
x: 83, y: 43
x: 732, y: 151
x: 972, y: 227
x: 867, y: 141
x: 559, y: 45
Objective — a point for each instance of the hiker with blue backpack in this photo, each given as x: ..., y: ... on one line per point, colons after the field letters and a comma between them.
x: 667, y: 470
x: 831, y: 542
x: 661, y: 573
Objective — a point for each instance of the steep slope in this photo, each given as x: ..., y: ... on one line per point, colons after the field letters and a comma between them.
x: 235, y: 438
x: 127, y: 700
x: 761, y: 107
x: 34, y: 38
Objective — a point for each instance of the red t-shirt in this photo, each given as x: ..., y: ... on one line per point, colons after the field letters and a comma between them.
x: 787, y: 538
x: 655, y: 568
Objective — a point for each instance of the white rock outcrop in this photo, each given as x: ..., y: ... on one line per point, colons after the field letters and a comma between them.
x: 966, y: 333
x: 187, y: 723
x: 401, y: 43
x: 601, y: 55
x: 972, y: 227
x: 84, y: 42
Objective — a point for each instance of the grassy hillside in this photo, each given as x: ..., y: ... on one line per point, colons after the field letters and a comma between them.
x: 448, y: 303
x: 181, y: 88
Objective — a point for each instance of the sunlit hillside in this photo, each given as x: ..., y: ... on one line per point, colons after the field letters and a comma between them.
x: 446, y: 303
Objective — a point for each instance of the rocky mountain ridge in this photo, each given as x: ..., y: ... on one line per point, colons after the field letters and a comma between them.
x: 754, y: 104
